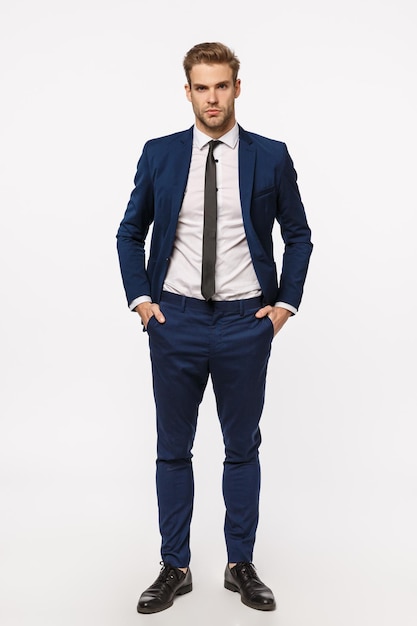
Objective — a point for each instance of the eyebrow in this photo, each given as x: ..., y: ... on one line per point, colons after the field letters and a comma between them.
x: 221, y: 82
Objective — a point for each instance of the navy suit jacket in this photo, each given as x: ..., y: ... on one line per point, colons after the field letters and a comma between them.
x: 268, y: 192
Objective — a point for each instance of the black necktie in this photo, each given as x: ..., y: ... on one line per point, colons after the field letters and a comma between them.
x: 210, y: 225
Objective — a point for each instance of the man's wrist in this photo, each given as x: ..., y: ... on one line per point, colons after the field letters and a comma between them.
x: 139, y: 300
x: 289, y: 307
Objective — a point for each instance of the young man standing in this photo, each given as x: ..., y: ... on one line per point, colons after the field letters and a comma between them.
x: 211, y: 303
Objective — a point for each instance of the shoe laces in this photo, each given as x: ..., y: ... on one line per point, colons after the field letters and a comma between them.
x: 247, y: 570
x: 167, y: 572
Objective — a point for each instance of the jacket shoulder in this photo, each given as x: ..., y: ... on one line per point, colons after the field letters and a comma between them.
x: 182, y: 136
x: 260, y: 141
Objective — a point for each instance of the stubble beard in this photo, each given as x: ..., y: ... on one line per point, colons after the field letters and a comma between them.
x: 219, y: 122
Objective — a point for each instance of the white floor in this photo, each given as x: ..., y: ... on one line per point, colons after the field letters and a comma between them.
x: 93, y: 579
x: 77, y: 550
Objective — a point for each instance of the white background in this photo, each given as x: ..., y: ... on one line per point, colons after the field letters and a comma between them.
x: 83, y: 85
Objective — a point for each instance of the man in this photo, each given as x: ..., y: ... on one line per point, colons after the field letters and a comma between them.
x: 211, y: 303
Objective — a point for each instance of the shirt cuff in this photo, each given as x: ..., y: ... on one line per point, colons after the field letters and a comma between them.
x: 139, y: 300
x: 289, y: 307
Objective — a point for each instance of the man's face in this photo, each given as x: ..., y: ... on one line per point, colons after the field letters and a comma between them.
x: 212, y: 94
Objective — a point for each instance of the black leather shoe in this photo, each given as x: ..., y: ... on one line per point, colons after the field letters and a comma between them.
x: 171, y: 582
x: 244, y: 579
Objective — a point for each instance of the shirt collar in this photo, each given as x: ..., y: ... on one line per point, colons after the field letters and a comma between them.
x: 230, y: 138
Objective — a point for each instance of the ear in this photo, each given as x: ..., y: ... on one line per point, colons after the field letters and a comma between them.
x: 187, y: 91
x: 237, y: 88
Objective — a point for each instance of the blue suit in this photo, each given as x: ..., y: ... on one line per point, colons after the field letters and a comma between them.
x: 200, y: 339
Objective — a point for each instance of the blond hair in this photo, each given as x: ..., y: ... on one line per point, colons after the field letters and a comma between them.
x: 210, y: 53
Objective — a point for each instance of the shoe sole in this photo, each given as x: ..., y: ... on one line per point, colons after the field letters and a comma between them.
x: 181, y: 591
x: 252, y: 605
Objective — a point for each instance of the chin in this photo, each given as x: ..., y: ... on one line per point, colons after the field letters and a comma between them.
x: 215, y: 123
x: 215, y: 119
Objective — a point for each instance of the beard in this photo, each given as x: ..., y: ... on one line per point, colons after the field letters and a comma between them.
x: 223, y: 121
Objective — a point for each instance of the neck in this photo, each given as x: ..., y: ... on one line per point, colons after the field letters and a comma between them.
x: 214, y: 133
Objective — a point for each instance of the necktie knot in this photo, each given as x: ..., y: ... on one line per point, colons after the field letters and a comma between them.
x: 212, y: 144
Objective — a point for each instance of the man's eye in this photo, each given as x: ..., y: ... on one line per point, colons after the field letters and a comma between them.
x: 222, y: 86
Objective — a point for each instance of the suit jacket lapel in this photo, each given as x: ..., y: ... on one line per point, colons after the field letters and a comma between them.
x: 247, y: 157
x: 180, y: 159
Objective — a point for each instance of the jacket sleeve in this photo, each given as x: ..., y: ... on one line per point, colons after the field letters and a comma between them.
x: 296, y: 235
x: 133, y: 230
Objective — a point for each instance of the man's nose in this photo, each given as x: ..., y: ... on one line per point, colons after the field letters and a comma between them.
x: 212, y: 97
